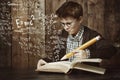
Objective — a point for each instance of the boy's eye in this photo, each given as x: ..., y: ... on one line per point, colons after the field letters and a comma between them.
x: 67, y: 24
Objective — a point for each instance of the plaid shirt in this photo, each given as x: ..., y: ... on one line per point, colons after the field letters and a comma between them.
x: 74, y: 42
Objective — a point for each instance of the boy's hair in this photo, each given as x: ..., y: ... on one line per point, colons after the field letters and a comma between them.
x: 70, y: 9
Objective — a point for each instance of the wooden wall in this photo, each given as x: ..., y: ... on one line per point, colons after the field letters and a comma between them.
x: 31, y: 34
x: 28, y: 33
x: 5, y: 33
x: 112, y: 21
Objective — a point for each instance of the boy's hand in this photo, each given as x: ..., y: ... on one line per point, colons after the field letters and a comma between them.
x: 80, y: 54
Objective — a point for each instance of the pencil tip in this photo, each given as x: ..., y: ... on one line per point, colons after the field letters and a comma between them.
x: 63, y: 58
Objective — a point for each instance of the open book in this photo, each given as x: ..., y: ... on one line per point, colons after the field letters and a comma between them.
x: 66, y: 66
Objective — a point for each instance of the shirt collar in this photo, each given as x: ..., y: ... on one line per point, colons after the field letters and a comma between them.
x: 78, y: 35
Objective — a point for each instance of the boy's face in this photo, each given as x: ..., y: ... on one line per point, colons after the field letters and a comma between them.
x: 71, y: 25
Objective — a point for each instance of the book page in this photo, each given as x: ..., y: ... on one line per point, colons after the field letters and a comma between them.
x: 91, y: 60
x: 61, y: 67
x: 95, y: 60
x: 89, y: 68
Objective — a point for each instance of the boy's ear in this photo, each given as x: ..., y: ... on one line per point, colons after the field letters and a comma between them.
x: 81, y: 19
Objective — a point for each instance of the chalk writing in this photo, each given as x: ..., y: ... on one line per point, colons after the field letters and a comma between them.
x: 34, y: 31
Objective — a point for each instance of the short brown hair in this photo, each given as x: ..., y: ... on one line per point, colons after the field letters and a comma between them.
x: 70, y: 9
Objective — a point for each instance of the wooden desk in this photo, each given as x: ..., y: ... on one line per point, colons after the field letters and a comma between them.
x: 10, y: 74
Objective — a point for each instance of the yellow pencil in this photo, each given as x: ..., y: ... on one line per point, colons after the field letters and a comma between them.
x: 85, y: 45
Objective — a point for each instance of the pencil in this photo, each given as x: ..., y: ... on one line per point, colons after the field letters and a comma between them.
x: 84, y: 46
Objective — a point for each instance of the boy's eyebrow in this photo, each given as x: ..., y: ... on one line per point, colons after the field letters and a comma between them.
x: 66, y: 22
